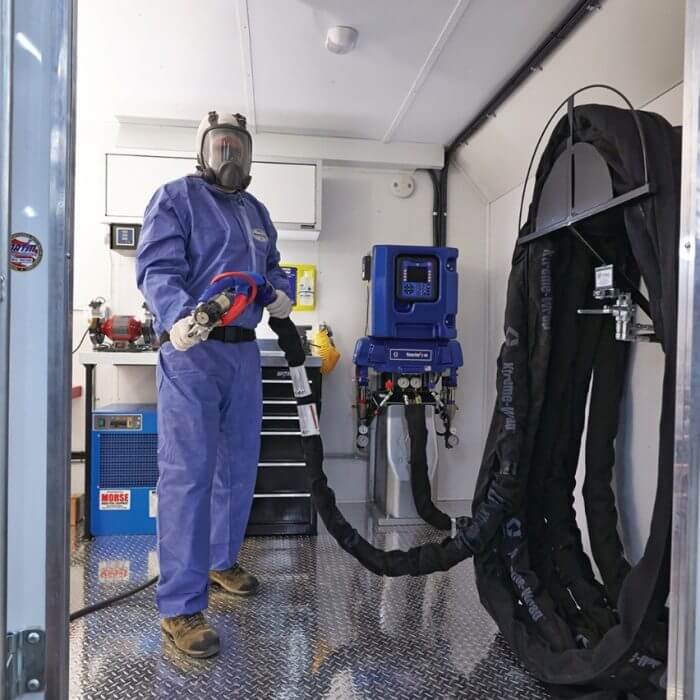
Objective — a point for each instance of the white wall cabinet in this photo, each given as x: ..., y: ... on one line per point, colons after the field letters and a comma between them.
x: 290, y: 190
x: 132, y: 179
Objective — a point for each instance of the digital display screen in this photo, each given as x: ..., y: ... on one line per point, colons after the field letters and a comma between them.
x: 417, y: 279
x: 102, y: 422
x: 416, y: 274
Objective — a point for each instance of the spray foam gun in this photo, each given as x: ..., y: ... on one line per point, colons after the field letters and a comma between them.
x: 227, y: 296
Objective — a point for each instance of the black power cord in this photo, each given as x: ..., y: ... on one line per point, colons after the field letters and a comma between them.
x: 111, y: 601
x: 82, y: 340
x: 437, y: 203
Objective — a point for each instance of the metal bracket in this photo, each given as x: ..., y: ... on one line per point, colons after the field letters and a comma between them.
x: 26, y: 652
x: 625, y: 313
x: 622, y: 308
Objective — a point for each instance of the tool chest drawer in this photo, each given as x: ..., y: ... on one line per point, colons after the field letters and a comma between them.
x: 277, y: 383
x: 287, y: 477
x: 282, y: 514
x: 282, y: 503
x: 279, y: 407
x: 280, y: 424
x: 279, y: 388
x: 281, y: 448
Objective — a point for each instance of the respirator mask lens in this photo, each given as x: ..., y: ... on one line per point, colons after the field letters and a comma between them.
x: 227, y: 152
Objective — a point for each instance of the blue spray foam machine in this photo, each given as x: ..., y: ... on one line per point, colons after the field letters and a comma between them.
x: 411, y: 353
x: 124, y: 470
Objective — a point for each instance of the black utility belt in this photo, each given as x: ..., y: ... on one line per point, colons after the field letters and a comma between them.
x: 227, y: 334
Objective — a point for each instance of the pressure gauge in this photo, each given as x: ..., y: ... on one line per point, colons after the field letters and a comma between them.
x: 362, y: 441
x: 452, y: 440
x: 362, y: 429
x: 416, y: 382
x: 403, y: 382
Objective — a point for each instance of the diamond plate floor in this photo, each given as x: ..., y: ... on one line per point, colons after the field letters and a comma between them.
x: 321, y: 627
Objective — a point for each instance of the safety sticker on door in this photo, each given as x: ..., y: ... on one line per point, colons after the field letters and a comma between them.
x: 113, y: 499
x: 152, y: 504
x: 25, y: 252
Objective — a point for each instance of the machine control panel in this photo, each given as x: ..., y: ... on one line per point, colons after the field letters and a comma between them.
x: 417, y: 278
x: 104, y: 422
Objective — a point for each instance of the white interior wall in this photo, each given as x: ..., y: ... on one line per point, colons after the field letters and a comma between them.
x: 358, y: 211
x: 637, y: 443
x: 638, y: 440
x: 467, y: 225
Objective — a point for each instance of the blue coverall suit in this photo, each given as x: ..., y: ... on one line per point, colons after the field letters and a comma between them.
x: 210, y: 396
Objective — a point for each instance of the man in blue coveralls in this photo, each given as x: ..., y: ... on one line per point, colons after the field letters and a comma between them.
x: 209, y: 393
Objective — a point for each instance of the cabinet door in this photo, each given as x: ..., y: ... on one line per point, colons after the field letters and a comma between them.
x: 133, y: 179
x: 288, y: 190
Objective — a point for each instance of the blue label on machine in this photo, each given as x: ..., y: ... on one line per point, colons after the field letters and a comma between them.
x: 411, y: 355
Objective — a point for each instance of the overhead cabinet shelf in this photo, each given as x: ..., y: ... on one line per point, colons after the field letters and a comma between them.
x: 290, y: 190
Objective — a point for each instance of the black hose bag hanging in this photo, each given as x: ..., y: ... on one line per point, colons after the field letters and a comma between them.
x: 571, y: 631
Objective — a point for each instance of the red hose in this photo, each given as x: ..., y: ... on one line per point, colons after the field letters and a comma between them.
x: 240, y: 302
x: 238, y: 305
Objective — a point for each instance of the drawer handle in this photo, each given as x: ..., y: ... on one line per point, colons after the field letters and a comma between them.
x: 270, y: 434
x: 296, y: 418
x: 281, y: 464
x: 279, y: 402
x: 282, y: 495
x: 280, y: 381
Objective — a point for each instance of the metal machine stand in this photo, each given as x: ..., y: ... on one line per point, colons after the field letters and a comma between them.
x: 389, y: 477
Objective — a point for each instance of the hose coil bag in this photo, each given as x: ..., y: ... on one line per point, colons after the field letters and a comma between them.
x: 536, y: 581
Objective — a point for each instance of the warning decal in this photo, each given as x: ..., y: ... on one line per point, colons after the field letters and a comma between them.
x: 25, y: 252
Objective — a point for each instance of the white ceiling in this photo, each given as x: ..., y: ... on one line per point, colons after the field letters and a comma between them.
x: 159, y: 58
x: 421, y: 68
x: 301, y: 87
x: 493, y: 38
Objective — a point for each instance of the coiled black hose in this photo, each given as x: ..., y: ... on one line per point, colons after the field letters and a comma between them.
x: 473, y: 535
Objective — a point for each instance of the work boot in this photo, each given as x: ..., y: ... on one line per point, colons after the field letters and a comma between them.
x: 192, y: 635
x: 236, y: 580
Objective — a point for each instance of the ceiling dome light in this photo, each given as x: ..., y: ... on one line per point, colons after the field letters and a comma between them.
x: 341, y: 39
